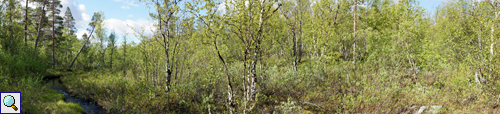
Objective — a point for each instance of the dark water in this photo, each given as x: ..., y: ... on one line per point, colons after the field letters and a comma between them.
x: 89, y: 107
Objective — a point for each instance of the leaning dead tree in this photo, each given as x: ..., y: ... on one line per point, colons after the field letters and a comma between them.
x: 87, y: 39
x: 96, y: 21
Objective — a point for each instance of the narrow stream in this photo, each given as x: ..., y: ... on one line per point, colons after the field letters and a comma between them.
x: 89, y: 107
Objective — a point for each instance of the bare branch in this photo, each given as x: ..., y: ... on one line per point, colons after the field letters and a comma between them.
x: 279, y: 5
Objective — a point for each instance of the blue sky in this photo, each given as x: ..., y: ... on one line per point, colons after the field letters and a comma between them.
x: 121, y: 15
x: 430, y: 5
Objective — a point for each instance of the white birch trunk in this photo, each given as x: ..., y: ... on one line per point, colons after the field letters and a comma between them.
x: 354, y: 34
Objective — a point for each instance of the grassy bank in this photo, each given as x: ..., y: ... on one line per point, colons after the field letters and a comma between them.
x: 375, y: 88
x: 36, y: 98
x: 116, y: 93
x: 22, y: 73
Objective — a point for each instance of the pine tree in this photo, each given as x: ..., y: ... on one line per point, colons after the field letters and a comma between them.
x: 69, y: 21
x: 26, y: 21
x: 55, y: 18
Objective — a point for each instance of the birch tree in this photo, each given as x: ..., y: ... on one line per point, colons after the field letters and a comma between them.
x: 211, y: 19
x: 354, y: 35
x: 494, y: 5
x: 246, y: 20
x: 293, y: 29
x: 165, y: 13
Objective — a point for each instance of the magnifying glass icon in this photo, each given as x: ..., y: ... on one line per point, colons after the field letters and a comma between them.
x: 9, y: 102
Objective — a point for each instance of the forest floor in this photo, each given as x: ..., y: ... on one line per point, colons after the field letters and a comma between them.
x: 444, y: 89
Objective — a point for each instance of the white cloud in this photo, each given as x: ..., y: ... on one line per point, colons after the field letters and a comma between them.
x: 30, y: 4
x: 130, y: 15
x: 128, y: 3
x: 79, y: 13
x: 85, y: 17
x: 225, y: 5
x: 82, y: 18
x: 130, y: 27
x: 80, y: 33
x: 132, y: 3
x: 82, y: 8
x: 222, y: 7
x: 125, y: 7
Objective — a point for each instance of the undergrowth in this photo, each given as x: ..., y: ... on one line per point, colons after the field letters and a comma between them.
x: 19, y: 74
x: 323, y: 88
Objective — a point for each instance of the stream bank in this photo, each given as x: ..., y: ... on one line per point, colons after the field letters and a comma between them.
x: 89, y: 106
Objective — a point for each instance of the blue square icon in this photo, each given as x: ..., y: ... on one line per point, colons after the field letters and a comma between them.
x: 11, y: 102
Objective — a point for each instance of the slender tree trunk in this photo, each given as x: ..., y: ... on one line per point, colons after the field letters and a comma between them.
x: 253, y: 82
x: 226, y: 71
x: 176, y: 53
x: 315, y: 43
x: 53, y: 37
x: 11, y: 32
x: 492, y: 35
x: 26, y: 24
x: 253, y: 79
x: 478, y: 72
x: 72, y: 62
x: 294, y: 40
x: 299, y: 42
x: 353, y: 47
x: 245, y: 78
x: 492, y: 32
x: 256, y: 52
x: 479, y: 39
x: 229, y: 85
x: 174, y: 61
x: 295, y: 48
x: 247, y: 56
x: 354, y: 34
x: 154, y: 78
x: 124, y: 55
x: 39, y: 27
x: 165, y: 44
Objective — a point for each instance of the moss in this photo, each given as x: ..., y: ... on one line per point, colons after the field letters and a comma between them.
x: 64, y: 107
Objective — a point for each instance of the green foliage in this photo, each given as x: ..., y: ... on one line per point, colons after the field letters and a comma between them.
x: 289, y: 107
x: 302, y: 57
x: 36, y: 97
